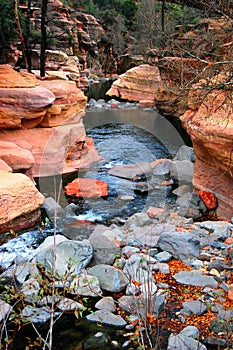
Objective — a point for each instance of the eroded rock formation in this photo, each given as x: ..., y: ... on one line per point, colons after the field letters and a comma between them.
x: 59, y: 140
x: 42, y: 134
x: 158, y: 84
x: 210, y: 126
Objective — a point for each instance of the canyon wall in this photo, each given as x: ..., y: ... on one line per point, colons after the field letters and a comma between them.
x: 42, y: 134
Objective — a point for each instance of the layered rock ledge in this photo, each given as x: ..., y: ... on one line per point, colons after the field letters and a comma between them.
x: 45, y: 118
x: 42, y: 134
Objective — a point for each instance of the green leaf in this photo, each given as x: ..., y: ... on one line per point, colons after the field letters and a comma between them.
x: 47, y: 221
x: 221, y: 321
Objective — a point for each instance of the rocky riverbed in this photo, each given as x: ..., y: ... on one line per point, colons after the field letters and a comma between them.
x: 163, y: 276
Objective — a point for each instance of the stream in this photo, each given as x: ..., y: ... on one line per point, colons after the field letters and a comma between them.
x: 122, y: 136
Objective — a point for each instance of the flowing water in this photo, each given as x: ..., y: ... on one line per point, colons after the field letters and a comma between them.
x: 127, y: 136
x: 121, y: 136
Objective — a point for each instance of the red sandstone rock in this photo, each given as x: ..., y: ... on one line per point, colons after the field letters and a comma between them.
x: 23, y: 107
x: 55, y: 150
x: 20, y: 202
x: 211, y: 129
x: 146, y: 103
x: 50, y: 104
x: 4, y: 166
x: 16, y: 157
x: 87, y: 188
x: 22, y: 102
x: 69, y: 105
x: 208, y: 199
x: 138, y: 83
x: 9, y: 78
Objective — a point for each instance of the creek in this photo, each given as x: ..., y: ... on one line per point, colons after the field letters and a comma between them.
x: 121, y: 136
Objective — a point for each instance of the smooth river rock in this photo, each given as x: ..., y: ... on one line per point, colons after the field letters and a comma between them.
x: 71, y: 257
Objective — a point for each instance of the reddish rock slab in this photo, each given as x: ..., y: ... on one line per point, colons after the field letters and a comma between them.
x: 69, y: 104
x: 52, y: 103
x: 17, y: 105
x: 230, y: 292
x: 208, y: 199
x: 16, y: 157
x: 9, y: 78
x: 20, y: 202
x: 138, y: 83
x: 58, y: 150
x: 4, y: 166
x: 86, y: 188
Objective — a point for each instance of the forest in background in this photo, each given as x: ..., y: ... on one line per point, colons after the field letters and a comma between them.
x: 140, y: 25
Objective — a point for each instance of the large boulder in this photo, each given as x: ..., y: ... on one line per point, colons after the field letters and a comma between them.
x: 71, y: 257
x: 56, y: 150
x: 26, y: 103
x: 16, y: 157
x: 20, y: 202
x: 23, y: 102
x: 58, y: 143
x: 210, y: 125
x: 138, y: 83
x: 158, y: 84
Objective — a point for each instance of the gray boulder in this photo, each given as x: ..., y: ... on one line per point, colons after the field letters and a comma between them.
x: 181, y: 171
x: 107, y: 318
x: 136, y: 269
x: 135, y: 171
x: 195, y: 278
x: 195, y: 307
x: 182, y: 342
x: 182, y: 245
x: 37, y: 314
x: 109, y: 277
x: 185, y: 153
x: 71, y: 257
x: 103, y: 241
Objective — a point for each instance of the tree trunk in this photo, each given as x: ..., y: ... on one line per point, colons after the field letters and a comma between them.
x: 43, y: 37
x: 21, y: 37
x: 28, y: 34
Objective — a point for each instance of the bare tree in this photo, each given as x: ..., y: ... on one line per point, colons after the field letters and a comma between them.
x: 43, y: 37
x: 21, y: 37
